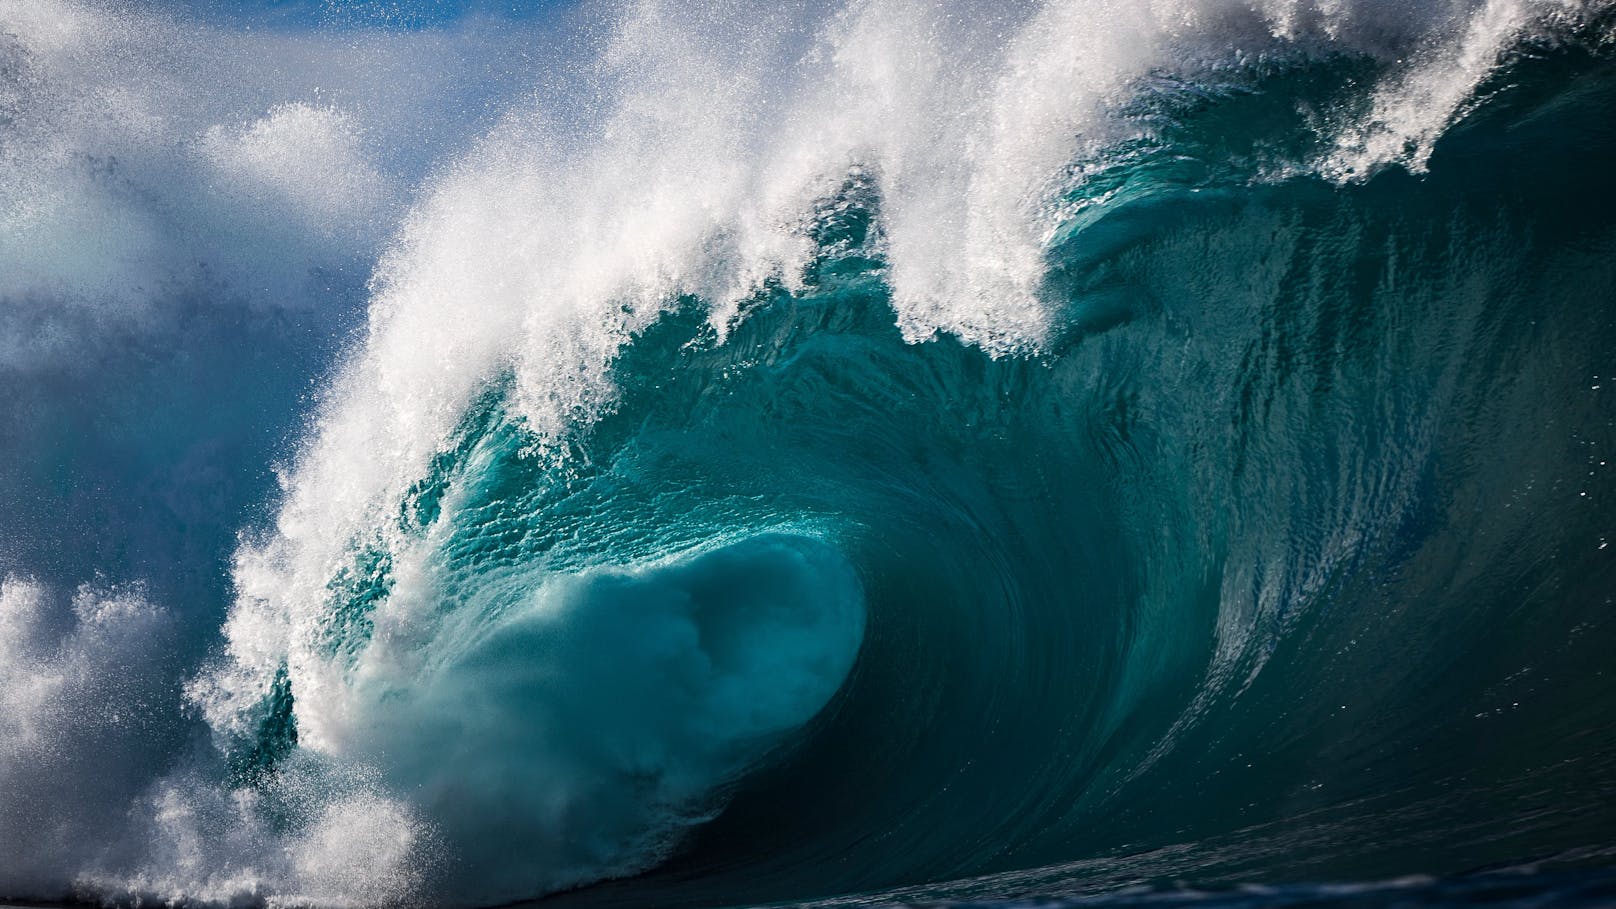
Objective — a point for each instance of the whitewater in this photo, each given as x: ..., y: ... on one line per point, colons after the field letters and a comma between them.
x: 875, y: 453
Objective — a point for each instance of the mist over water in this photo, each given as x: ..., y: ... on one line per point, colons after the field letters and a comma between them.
x: 762, y: 453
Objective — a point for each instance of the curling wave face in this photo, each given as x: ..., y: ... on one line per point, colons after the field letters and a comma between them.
x: 812, y: 452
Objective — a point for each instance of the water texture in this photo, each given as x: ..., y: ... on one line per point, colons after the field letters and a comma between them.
x: 894, y: 453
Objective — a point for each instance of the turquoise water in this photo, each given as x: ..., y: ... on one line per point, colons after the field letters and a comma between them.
x: 1246, y: 542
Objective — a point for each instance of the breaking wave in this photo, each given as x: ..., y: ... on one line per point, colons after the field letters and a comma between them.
x: 763, y: 453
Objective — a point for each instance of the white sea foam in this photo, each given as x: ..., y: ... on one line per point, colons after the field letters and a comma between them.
x: 70, y: 685
x: 1437, y: 84
x: 92, y: 803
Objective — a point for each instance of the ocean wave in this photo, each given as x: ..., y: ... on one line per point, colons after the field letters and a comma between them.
x: 817, y: 451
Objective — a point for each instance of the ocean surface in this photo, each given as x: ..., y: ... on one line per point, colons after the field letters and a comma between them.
x: 1040, y: 453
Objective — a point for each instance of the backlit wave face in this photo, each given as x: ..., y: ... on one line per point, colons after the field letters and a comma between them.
x: 807, y: 450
